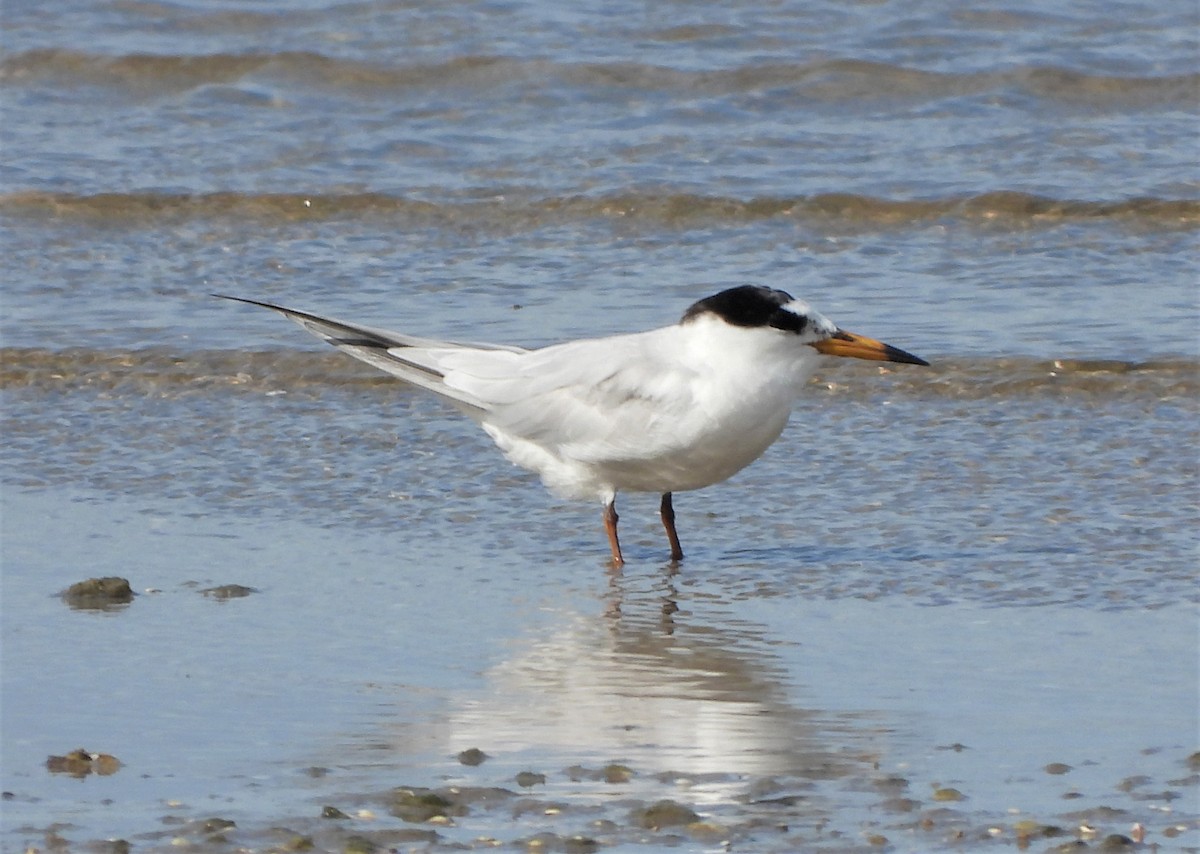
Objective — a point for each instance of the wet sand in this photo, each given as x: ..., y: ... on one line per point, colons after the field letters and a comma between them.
x: 953, y: 609
x: 739, y: 699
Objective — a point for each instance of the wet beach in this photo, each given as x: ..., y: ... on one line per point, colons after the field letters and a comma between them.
x: 953, y: 609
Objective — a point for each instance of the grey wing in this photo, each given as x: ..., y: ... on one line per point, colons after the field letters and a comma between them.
x: 413, y: 359
x: 591, y: 400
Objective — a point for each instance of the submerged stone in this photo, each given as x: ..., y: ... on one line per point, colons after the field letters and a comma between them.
x: 472, y: 756
x: 98, y: 594
x: 616, y: 773
x: 421, y: 804
x: 79, y: 763
x: 228, y: 591
x: 665, y: 813
x: 105, y: 764
x: 469, y: 795
x: 547, y: 841
x: 892, y: 784
x: 1027, y: 829
x: 900, y: 805
x: 417, y: 805
x: 359, y: 845
x: 708, y: 831
x: 528, y: 779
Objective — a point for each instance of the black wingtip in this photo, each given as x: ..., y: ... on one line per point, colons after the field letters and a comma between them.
x: 247, y: 301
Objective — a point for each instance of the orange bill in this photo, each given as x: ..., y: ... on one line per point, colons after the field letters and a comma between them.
x: 861, y: 347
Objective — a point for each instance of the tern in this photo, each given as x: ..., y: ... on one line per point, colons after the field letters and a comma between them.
x: 663, y: 411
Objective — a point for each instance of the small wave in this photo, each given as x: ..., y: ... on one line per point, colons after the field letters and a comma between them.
x: 170, y: 374
x: 148, y: 74
x: 840, y: 81
x: 668, y: 210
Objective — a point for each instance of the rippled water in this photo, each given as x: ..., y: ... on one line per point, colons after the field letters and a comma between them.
x: 939, y: 579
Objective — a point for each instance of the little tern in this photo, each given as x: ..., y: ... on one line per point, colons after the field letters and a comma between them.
x: 663, y: 411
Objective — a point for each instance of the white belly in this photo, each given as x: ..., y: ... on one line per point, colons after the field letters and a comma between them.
x: 714, y: 457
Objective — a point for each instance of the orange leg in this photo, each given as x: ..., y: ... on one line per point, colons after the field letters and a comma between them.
x: 667, y: 511
x: 610, y: 526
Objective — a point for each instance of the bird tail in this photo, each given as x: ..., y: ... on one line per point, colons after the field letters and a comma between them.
x: 408, y: 357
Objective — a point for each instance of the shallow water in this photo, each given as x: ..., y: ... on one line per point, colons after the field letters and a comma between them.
x: 974, y: 559
x: 939, y: 579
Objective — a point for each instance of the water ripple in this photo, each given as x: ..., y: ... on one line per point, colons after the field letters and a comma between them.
x: 654, y: 209
x: 835, y: 80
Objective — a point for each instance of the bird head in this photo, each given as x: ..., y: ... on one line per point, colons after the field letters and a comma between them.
x: 755, y: 306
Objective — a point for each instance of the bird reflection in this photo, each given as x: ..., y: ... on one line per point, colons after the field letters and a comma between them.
x: 668, y: 597
x: 646, y: 685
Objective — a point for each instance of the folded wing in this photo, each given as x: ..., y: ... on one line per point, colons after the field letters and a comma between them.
x: 589, y: 400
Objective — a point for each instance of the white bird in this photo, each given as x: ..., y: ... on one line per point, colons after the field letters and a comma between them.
x: 667, y: 410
